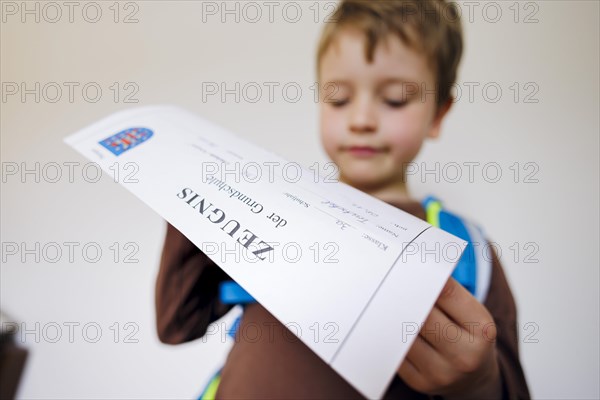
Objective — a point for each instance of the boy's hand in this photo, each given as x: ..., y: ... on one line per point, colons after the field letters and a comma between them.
x: 455, y: 352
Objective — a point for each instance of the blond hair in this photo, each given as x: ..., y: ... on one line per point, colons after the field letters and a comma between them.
x: 431, y: 27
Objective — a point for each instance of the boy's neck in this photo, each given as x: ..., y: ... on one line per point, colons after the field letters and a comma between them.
x: 391, y: 193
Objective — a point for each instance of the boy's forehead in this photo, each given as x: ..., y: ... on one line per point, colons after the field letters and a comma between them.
x: 345, y: 60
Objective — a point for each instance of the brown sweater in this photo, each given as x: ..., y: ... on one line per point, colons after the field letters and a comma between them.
x: 269, y: 362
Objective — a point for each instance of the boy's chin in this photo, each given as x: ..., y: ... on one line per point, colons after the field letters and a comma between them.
x: 364, y: 181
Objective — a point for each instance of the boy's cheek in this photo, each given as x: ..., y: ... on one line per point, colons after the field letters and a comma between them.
x: 329, y: 141
x: 331, y: 146
x: 331, y: 133
x: 405, y: 132
x: 405, y: 146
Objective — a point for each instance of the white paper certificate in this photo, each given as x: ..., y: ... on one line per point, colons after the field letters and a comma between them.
x: 310, y: 251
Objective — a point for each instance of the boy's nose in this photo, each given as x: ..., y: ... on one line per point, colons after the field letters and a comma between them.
x: 363, y: 119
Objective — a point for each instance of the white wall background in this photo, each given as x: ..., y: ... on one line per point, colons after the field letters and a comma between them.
x: 168, y: 54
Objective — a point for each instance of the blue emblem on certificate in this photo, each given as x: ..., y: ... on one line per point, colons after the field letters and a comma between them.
x: 126, y: 140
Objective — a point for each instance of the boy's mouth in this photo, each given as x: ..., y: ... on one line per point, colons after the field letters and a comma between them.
x: 363, y: 151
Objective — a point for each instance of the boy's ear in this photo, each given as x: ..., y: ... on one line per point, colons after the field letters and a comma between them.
x: 436, y: 124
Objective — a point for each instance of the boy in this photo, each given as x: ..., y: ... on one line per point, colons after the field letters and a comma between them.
x: 377, y: 65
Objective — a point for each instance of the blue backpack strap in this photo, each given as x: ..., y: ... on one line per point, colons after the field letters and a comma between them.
x: 472, y: 271
x: 232, y: 293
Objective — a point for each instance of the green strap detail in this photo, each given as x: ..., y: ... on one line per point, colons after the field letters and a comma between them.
x: 211, y: 390
x: 433, y: 213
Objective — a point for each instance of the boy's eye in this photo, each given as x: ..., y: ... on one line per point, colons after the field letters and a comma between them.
x: 396, y: 103
x: 337, y: 103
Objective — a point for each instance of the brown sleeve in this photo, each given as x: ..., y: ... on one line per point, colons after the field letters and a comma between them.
x: 501, y: 305
x: 187, y: 288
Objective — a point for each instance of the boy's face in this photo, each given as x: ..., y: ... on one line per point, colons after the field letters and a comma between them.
x: 374, y: 117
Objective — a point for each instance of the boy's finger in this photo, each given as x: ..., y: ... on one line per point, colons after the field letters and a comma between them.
x: 441, y: 332
x: 425, y: 357
x: 411, y: 376
x: 407, y: 368
x: 428, y: 362
x: 460, y: 306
